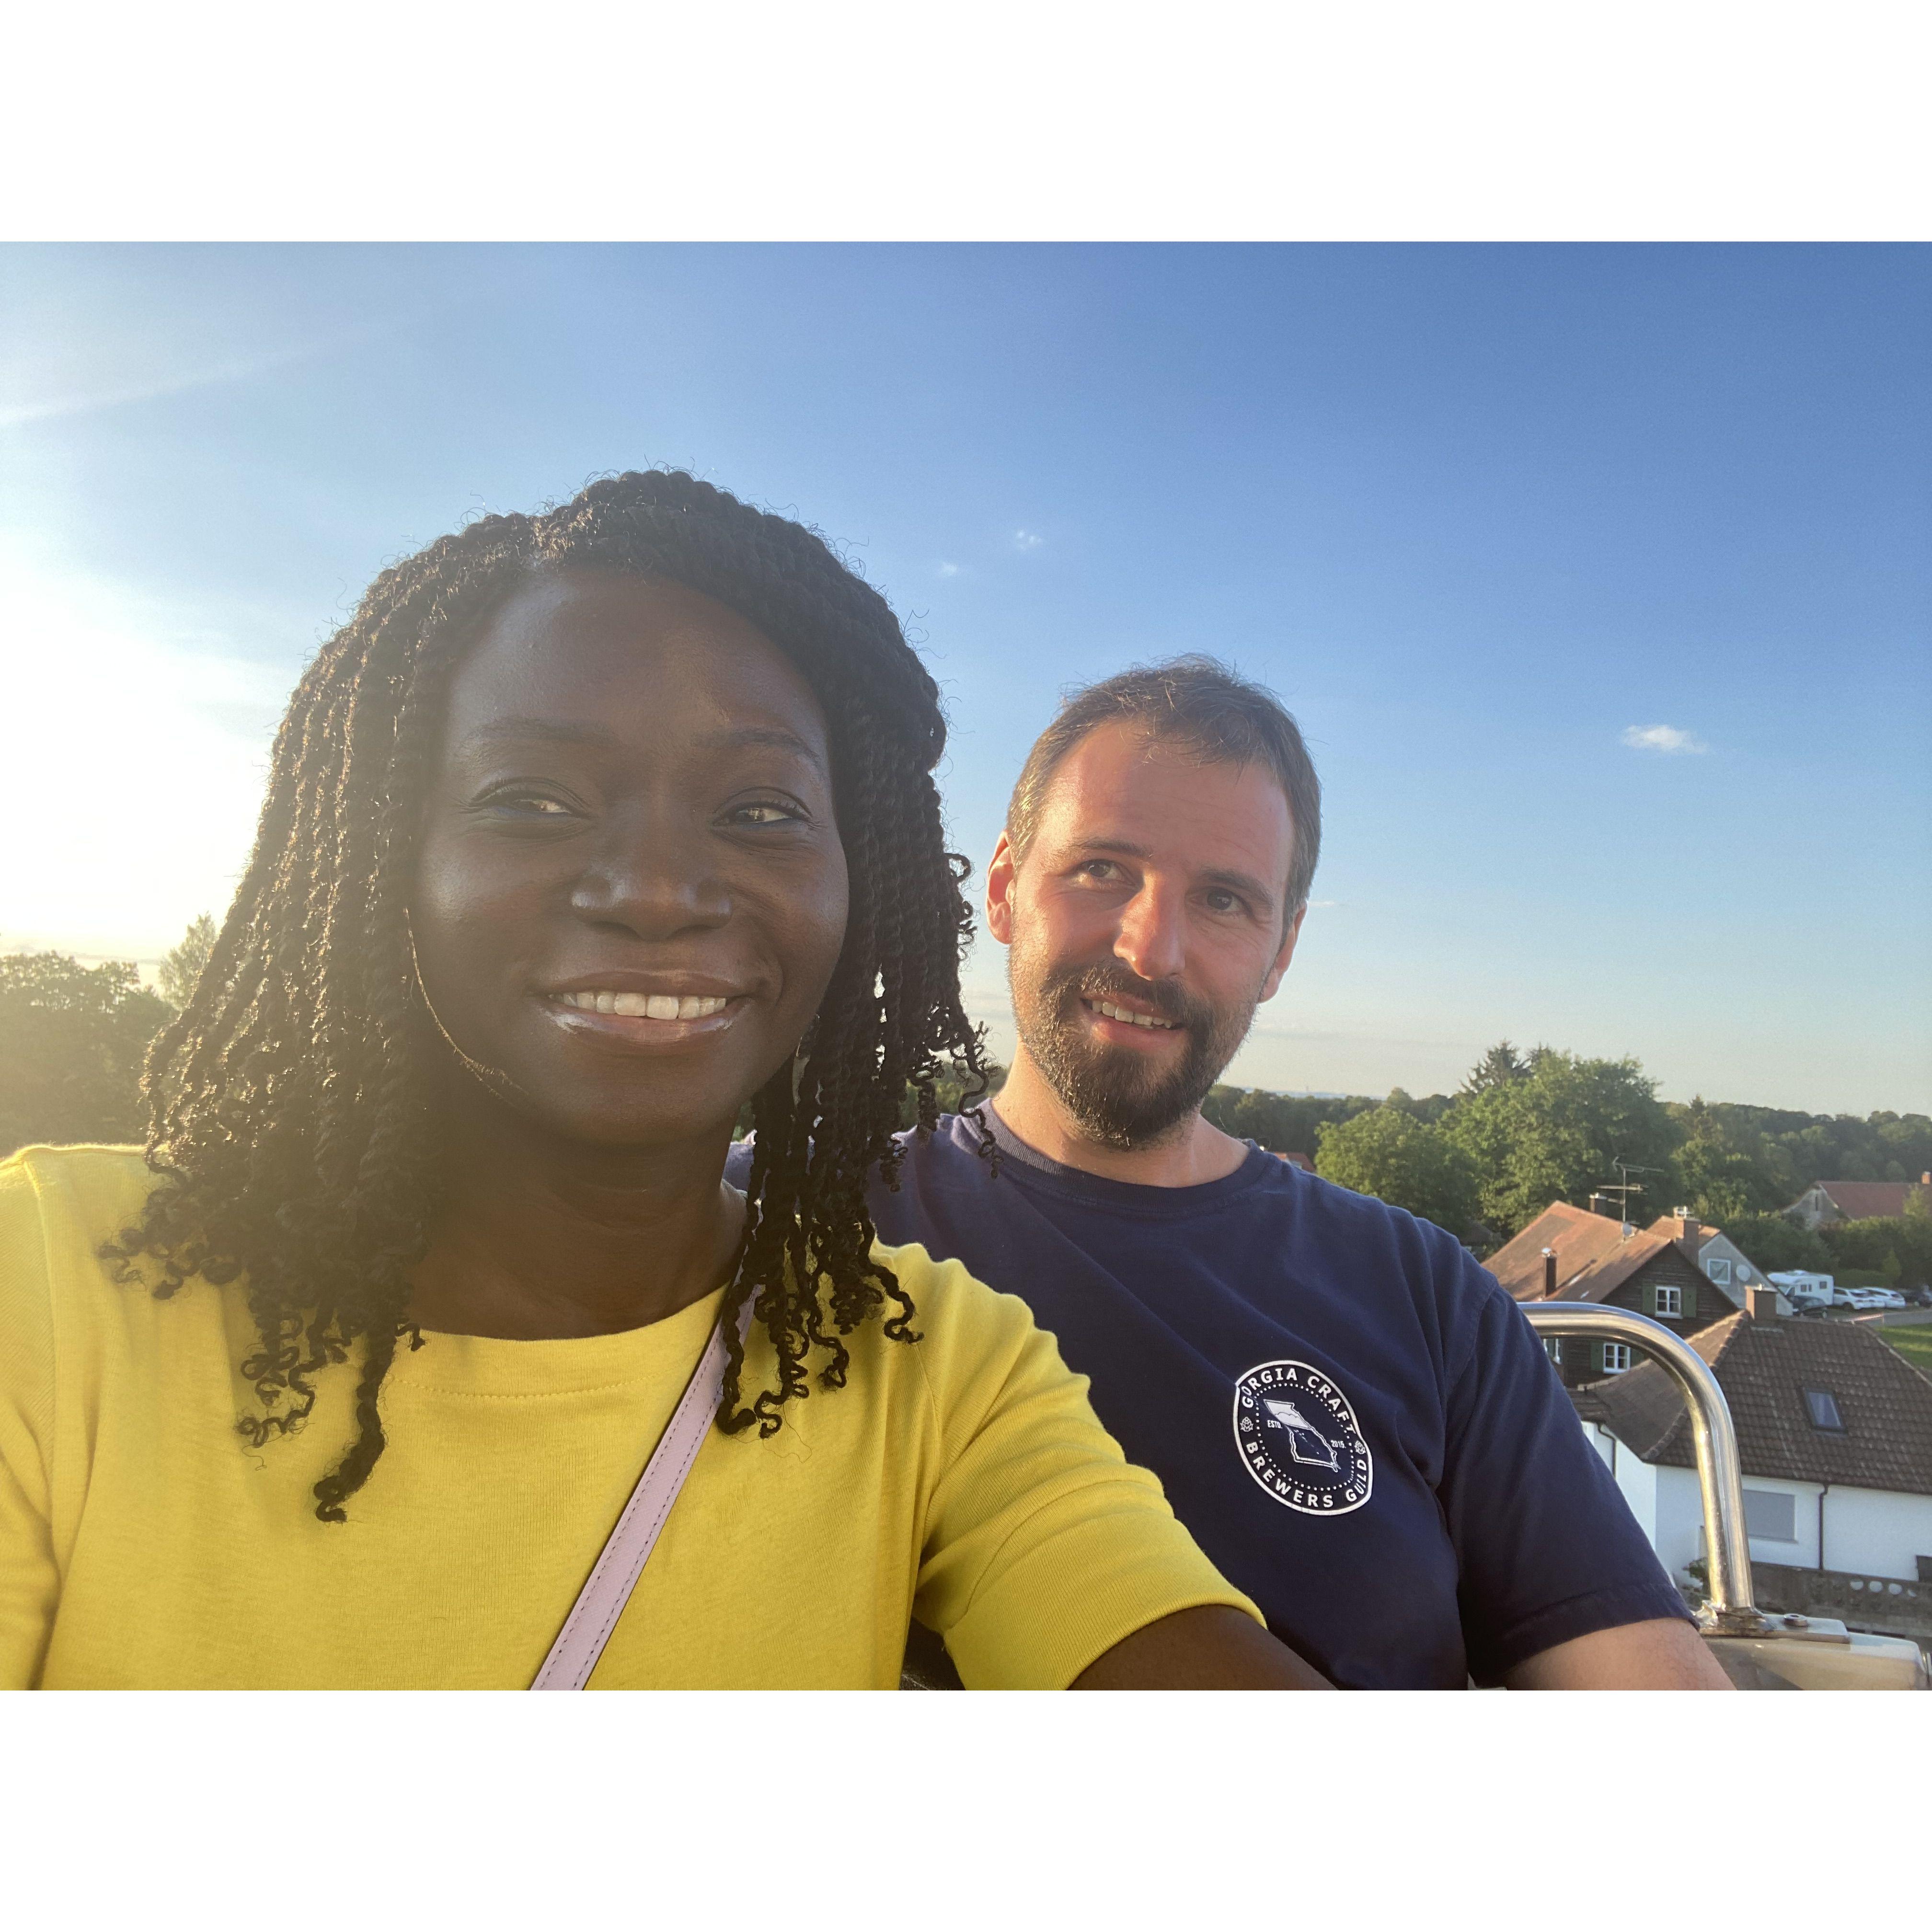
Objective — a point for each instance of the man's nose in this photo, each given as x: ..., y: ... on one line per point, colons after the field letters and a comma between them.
x: 1150, y: 940
x: 652, y: 880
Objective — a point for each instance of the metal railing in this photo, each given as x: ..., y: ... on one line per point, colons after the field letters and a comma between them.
x: 1731, y: 1611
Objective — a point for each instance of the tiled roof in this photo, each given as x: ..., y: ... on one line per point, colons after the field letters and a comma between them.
x: 1869, y: 1200
x: 1594, y: 1257
x: 1764, y: 1368
x: 1300, y: 1160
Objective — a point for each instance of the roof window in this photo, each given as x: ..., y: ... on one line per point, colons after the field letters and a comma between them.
x: 1821, y: 1406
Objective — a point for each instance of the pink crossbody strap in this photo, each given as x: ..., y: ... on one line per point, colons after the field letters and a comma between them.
x: 600, y: 1603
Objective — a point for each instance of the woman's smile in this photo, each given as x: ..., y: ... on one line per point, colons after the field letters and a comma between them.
x: 618, y: 1011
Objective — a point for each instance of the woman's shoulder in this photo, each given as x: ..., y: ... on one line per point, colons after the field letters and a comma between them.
x: 950, y: 1299
x: 58, y: 1205
x: 77, y: 1188
x: 974, y: 1344
x: 59, y: 1301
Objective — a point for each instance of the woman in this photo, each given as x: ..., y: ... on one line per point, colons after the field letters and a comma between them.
x: 589, y: 828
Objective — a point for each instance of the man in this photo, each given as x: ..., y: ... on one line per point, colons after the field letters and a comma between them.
x: 1351, y: 1417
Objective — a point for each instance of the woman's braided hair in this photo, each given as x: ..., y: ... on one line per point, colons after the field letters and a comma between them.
x: 291, y: 1104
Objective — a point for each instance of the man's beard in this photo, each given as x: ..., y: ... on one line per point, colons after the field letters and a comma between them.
x: 1117, y: 1096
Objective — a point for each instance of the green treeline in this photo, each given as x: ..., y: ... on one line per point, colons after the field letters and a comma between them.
x: 1524, y: 1130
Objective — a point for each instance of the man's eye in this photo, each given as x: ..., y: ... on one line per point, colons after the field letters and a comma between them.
x: 1098, y: 868
x: 1223, y: 901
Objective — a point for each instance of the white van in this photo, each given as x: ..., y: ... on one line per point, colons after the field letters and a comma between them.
x: 1802, y: 1290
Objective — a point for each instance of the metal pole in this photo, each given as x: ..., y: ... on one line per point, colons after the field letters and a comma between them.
x: 1713, y: 1441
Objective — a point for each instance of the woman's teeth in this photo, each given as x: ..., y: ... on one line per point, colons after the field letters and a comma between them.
x: 1133, y: 1019
x: 645, y: 1006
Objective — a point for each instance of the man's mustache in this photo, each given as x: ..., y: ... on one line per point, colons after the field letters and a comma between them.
x: 1165, y: 997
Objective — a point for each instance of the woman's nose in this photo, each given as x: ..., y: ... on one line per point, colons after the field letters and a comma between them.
x: 652, y: 882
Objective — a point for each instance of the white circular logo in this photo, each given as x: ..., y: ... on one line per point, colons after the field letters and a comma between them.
x: 1297, y: 1435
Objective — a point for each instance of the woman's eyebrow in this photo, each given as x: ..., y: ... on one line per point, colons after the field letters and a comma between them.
x: 556, y: 731
x: 774, y: 737
x: 549, y: 729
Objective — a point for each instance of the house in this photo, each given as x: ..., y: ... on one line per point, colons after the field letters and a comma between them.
x: 1300, y: 1160
x: 1826, y: 1201
x: 1835, y: 1433
x: 1569, y: 1254
x: 1725, y: 1265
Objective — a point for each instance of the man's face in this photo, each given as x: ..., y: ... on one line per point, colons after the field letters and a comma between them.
x: 1144, y: 926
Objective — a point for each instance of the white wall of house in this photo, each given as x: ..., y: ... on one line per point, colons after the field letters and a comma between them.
x: 1877, y: 1531
x: 1872, y: 1532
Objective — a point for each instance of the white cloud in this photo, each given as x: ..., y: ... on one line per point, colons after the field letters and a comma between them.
x: 948, y: 570
x: 1664, y: 738
x: 1027, y: 540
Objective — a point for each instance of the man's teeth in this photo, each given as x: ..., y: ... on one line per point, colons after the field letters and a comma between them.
x: 645, y: 1006
x: 1113, y: 1012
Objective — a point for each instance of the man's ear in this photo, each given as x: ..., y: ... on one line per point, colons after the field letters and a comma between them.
x: 1273, y: 982
x: 1000, y: 891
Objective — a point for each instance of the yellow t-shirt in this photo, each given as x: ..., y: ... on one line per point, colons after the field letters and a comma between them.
x: 144, y: 1544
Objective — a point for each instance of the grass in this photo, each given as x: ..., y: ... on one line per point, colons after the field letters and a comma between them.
x: 1914, y: 1344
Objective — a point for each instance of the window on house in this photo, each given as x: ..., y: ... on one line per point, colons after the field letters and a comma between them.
x: 1718, y: 1269
x: 1616, y: 1357
x: 1770, y: 1516
x: 1821, y: 1406
x: 1669, y: 1300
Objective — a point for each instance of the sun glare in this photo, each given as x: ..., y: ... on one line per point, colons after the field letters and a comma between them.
x: 133, y: 754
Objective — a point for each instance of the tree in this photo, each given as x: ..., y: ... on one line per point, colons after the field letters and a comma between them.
x: 182, y: 967
x: 1552, y: 1134
x: 1501, y: 1066
x: 1718, y: 1178
x: 1281, y: 1123
x: 1896, y: 1249
x: 73, y: 1040
x: 1390, y: 1153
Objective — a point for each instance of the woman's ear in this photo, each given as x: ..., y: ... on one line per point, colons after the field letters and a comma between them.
x: 999, y: 876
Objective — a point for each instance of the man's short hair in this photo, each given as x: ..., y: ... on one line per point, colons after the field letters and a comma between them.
x: 1198, y: 702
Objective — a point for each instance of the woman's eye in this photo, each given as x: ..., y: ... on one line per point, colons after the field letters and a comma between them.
x: 762, y: 811
x: 524, y: 806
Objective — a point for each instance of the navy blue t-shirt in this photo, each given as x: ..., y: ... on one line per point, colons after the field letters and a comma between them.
x: 1352, y: 1417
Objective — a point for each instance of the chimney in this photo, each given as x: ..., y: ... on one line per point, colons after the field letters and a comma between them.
x: 1549, y: 1274
x: 1761, y: 1302
x: 1689, y: 1229
x: 1600, y: 1204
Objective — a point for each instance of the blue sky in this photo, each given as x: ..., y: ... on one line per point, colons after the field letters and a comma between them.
x: 1481, y: 515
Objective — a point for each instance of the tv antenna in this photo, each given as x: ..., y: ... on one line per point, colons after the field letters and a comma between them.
x: 1625, y: 1187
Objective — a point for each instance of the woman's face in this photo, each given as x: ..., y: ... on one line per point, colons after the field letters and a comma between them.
x: 630, y: 892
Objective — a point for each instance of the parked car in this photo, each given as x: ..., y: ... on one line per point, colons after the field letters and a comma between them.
x: 1918, y: 1298
x: 1870, y: 1300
